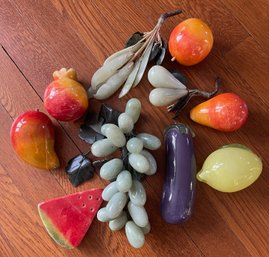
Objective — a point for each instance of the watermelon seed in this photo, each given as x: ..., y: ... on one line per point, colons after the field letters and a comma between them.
x: 83, y: 205
x: 92, y: 209
x: 97, y: 199
x: 79, y: 197
x: 90, y: 197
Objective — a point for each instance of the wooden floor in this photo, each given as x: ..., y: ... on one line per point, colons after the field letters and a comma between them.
x: 38, y: 37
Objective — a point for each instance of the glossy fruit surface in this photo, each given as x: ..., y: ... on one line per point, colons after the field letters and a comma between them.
x: 32, y: 137
x: 225, y: 112
x: 190, y: 41
x: 180, y: 181
x: 68, y: 218
x: 65, y: 99
x: 231, y: 168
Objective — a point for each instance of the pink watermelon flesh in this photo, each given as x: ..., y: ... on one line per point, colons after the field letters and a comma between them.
x: 68, y: 218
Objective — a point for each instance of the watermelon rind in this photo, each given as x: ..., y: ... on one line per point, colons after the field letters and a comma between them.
x: 57, y: 236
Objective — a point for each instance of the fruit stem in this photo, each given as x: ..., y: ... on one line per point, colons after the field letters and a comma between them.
x: 143, y: 48
x: 183, y: 101
x: 150, y: 36
x: 65, y: 73
x: 208, y: 94
x: 166, y: 15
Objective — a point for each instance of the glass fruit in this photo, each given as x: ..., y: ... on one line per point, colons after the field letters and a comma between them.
x: 230, y: 168
x: 32, y: 137
x: 190, y: 41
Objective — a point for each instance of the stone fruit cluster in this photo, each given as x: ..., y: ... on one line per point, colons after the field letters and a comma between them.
x: 125, y: 194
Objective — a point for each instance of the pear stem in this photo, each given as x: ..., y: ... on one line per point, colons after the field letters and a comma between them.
x: 183, y: 101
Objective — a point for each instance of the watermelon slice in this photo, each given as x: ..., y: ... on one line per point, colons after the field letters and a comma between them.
x: 68, y: 218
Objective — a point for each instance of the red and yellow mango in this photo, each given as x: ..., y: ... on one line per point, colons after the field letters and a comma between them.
x: 32, y: 137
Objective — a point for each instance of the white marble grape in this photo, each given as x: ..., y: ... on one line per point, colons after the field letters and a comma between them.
x: 133, y: 109
x: 109, y: 191
x: 137, y: 193
x: 104, y: 127
x: 124, y: 181
x: 146, y: 229
x: 118, y: 223
x: 102, y: 215
x: 125, y: 123
x: 111, y: 169
x: 114, y: 134
x: 134, y: 145
x: 150, y: 142
x: 103, y: 148
x: 138, y: 214
x: 115, y: 205
x: 134, y: 235
x: 152, y: 163
x: 139, y: 162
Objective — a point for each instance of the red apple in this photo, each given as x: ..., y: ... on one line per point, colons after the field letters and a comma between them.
x: 225, y: 112
x: 65, y: 98
x: 190, y: 41
x: 32, y: 137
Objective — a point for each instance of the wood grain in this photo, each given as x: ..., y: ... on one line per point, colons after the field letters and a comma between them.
x: 38, y: 37
x: 254, y: 17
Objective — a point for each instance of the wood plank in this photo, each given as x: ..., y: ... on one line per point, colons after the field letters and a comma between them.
x: 233, y: 207
x: 84, y: 33
x: 252, y: 64
x: 15, y: 104
x: 253, y: 15
x: 67, y: 149
x: 227, y: 30
x: 237, y: 210
x: 64, y: 46
x: 44, y: 181
x: 20, y: 194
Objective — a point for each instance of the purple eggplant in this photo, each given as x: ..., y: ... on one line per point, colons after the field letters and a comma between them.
x: 179, y: 186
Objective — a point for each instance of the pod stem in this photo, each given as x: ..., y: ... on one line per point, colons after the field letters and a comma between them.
x: 208, y: 94
x: 183, y: 101
x: 166, y: 15
x: 149, y: 37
